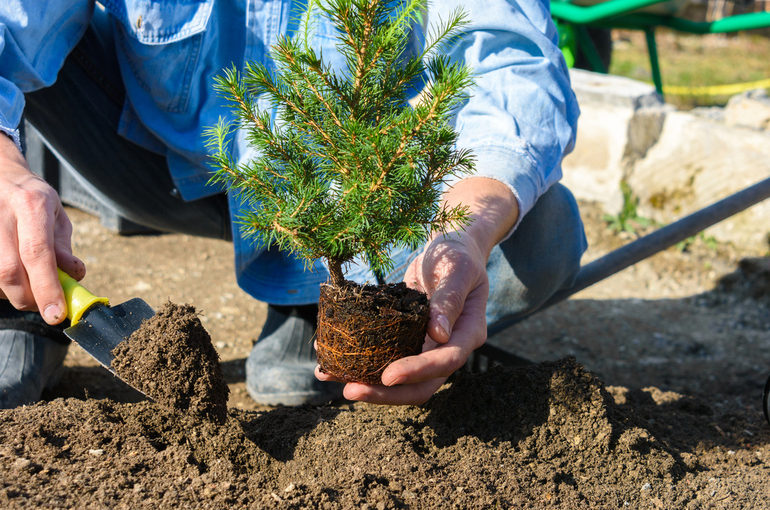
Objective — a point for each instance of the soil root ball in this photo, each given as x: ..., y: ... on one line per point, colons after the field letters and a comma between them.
x: 361, y: 330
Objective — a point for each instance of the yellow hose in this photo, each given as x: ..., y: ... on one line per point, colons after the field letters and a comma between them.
x: 716, y: 90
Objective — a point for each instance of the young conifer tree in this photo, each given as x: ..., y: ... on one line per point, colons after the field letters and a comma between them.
x: 346, y: 166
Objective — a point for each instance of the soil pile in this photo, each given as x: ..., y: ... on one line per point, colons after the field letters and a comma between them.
x: 544, y: 435
x: 170, y: 358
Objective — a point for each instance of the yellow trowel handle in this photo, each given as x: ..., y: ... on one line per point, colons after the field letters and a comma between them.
x: 79, y: 300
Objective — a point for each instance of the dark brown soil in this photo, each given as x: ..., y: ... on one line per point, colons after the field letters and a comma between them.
x: 678, y: 426
x: 362, y: 330
x: 170, y: 358
x: 547, y: 435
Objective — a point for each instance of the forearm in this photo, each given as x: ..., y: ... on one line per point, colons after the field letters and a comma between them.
x: 492, y: 206
x: 521, y: 117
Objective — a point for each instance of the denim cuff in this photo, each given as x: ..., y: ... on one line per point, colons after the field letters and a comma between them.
x: 13, y: 134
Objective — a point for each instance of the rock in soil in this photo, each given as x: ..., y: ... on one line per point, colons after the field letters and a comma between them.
x: 170, y: 358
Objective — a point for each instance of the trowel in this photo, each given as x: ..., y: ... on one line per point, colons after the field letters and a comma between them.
x: 95, y: 325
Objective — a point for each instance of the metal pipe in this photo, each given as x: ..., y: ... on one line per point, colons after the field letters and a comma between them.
x: 588, y: 14
x: 637, y: 21
x: 652, y: 50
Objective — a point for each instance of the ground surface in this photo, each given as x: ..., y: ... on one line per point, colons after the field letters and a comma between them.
x: 660, y: 407
x: 694, y: 61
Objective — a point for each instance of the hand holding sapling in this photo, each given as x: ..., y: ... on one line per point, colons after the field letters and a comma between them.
x: 348, y: 168
x: 452, y: 270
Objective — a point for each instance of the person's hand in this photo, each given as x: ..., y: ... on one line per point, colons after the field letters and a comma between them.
x: 451, y: 270
x: 35, y: 238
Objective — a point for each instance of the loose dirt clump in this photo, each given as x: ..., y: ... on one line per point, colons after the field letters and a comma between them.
x: 170, y: 358
x: 361, y: 330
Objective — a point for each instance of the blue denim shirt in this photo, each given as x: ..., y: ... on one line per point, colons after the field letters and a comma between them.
x: 520, y: 121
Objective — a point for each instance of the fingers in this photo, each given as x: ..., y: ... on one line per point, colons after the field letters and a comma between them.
x: 441, y: 360
x: 34, y: 233
x: 68, y: 262
x: 439, y: 325
x: 413, y: 394
x: 13, y: 280
x: 412, y: 380
x: 450, y: 271
x: 323, y: 376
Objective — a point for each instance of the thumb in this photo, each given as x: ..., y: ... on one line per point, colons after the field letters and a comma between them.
x: 446, y: 305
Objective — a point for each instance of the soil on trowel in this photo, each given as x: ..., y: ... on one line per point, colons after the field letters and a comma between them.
x: 542, y: 436
x: 170, y: 358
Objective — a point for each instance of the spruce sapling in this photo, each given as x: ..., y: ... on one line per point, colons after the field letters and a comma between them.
x: 346, y: 166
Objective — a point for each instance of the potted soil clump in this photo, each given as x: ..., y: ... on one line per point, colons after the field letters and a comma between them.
x: 348, y: 169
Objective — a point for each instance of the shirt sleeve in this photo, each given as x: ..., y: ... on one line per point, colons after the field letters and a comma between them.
x: 521, y: 118
x: 35, y: 38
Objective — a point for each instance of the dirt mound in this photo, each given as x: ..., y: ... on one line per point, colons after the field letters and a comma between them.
x: 746, y: 291
x: 549, y: 434
x: 170, y: 358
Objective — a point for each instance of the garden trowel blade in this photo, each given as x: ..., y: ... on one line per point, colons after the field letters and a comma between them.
x: 103, y: 327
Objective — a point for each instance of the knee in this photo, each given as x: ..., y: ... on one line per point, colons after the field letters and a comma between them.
x: 541, y: 257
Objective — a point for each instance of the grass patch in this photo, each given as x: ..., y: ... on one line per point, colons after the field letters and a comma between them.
x: 628, y: 219
x: 688, y: 60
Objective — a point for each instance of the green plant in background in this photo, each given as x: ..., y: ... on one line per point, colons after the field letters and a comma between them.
x: 347, y: 168
x: 567, y: 42
x: 628, y: 219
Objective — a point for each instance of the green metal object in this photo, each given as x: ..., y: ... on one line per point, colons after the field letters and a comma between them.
x: 621, y: 14
x: 585, y: 15
x: 639, y: 21
x: 652, y: 50
x: 589, y: 49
